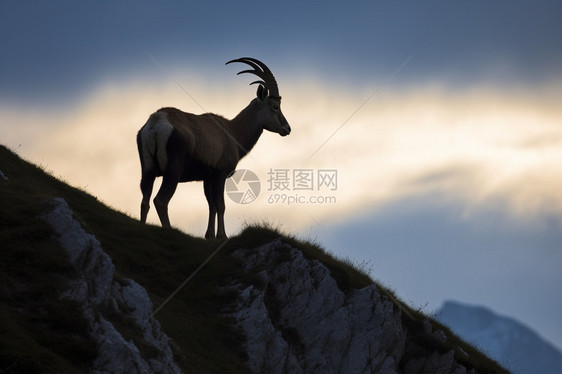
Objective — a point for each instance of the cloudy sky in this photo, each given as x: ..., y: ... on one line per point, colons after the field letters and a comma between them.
x: 439, y: 123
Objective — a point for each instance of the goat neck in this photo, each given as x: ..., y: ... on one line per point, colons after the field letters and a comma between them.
x: 246, y: 128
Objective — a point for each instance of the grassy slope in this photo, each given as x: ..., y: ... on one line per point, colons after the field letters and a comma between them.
x: 39, y: 333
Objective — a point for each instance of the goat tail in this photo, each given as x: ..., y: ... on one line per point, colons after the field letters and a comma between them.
x: 146, y: 154
x: 141, y: 150
x: 151, y: 142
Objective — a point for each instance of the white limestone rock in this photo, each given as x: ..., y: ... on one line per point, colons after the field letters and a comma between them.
x: 296, y: 319
x: 96, y: 289
x: 301, y: 322
x: 85, y: 253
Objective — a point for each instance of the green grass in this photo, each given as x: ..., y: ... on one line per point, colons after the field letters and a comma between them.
x: 39, y: 333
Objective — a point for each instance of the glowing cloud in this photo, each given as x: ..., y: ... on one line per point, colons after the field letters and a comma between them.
x: 475, y: 146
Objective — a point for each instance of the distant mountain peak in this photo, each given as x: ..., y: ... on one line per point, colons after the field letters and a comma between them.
x: 508, y: 341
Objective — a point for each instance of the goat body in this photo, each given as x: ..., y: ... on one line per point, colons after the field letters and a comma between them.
x: 183, y: 147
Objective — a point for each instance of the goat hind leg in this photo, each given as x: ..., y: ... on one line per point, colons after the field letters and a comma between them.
x: 163, y: 197
x: 146, y: 184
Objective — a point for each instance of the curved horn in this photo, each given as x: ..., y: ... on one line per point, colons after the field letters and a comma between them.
x: 262, y: 71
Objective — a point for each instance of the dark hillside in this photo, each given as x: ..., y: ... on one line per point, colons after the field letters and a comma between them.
x: 160, y: 260
x: 39, y: 332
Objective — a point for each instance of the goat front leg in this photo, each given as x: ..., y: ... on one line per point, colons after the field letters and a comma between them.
x: 220, y: 206
x: 208, y: 187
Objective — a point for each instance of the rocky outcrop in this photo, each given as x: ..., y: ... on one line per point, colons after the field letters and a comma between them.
x: 297, y: 320
x: 104, y: 298
x: 294, y: 316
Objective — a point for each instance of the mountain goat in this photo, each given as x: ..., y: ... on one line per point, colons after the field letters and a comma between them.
x: 184, y: 147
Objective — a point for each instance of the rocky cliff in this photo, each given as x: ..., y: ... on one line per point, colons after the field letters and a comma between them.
x: 297, y: 319
x: 294, y: 316
x: 78, y: 281
x: 103, y: 298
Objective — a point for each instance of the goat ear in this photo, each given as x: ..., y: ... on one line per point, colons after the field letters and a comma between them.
x: 262, y: 92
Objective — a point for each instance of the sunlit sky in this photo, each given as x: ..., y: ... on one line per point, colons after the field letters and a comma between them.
x: 442, y: 122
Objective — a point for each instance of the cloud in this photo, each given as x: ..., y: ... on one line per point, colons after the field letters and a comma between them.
x: 64, y: 48
x: 480, y: 146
